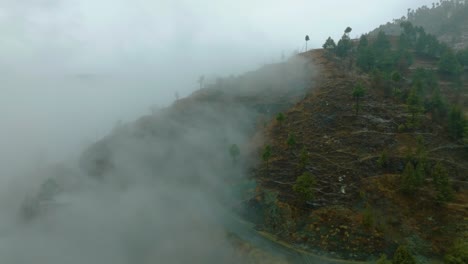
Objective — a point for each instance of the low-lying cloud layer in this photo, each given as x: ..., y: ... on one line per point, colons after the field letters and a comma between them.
x: 159, y: 190
x: 69, y: 70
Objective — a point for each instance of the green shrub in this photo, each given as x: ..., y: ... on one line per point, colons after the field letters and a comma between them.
x: 304, y: 186
x: 403, y: 256
x: 383, y: 161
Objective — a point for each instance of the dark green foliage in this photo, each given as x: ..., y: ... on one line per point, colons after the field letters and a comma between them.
x: 304, y: 186
x: 425, y: 81
x: 456, y: 123
x: 408, y: 36
x: 344, y: 44
x: 234, y: 151
x: 280, y: 118
x: 442, y: 183
x: 403, y: 256
x: 383, y: 161
x: 414, y: 107
x: 403, y: 59
x: 436, y: 105
x: 449, y: 64
x: 396, y: 79
x: 363, y: 42
x: 365, y: 59
x: 291, y: 141
x: 266, y: 155
x: 358, y: 93
x: 458, y: 254
x: 381, y: 43
x: 329, y: 44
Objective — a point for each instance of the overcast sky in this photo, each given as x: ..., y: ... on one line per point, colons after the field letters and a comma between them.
x: 138, y: 53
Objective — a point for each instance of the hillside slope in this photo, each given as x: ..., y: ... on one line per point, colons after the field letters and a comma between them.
x: 343, y: 151
x: 447, y: 20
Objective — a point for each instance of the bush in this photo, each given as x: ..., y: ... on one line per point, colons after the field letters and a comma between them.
x: 383, y: 161
x: 403, y: 256
x: 304, y: 186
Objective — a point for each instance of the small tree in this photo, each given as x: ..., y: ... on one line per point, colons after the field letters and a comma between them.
x: 307, y: 40
x: 381, y: 43
x: 266, y: 155
x: 403, y: 256
x: 280, y: 118
x: 414, y: 107
x: 291, y: 141
x: 449, y: 64
x: 304, y: 186
x: 442, y: 183
x: 329, y: 44
x: 348, y: 30
x: 358, y: 93
x: 396, y: 79
x: 383, y: 160
x: 234, y: 151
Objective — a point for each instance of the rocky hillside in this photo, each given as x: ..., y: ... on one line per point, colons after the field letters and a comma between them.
x: 357, y: 208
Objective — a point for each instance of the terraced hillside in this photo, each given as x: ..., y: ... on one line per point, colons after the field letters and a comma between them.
x: 356, y: 161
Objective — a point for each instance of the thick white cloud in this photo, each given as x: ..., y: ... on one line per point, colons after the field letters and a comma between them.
x: 141, y: 52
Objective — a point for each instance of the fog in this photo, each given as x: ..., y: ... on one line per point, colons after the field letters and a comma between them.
x: 71, y: 72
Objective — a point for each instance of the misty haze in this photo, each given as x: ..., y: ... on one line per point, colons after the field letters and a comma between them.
x: 233, y: 132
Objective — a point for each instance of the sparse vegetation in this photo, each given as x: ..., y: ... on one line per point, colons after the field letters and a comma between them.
x: 442, y: 183
x: 385, y: 159
x: 458, y: 254
x: 280, y: 118
x: 291, y: 141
